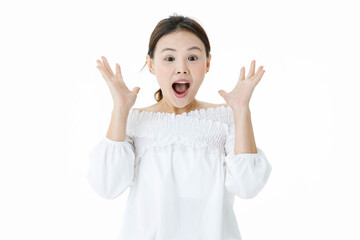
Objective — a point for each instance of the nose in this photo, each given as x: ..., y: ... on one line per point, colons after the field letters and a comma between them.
x: 182, y: 68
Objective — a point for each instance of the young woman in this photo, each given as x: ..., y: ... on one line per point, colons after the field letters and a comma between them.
x: 183, y: 159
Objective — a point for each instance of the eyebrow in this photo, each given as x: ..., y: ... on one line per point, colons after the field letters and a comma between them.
x: 171, y: 49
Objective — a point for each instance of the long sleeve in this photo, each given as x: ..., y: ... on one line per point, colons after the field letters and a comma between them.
x: 111, y: 167
x: 246, y: 173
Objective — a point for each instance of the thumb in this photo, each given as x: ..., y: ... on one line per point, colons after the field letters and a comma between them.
x: 136, y: 90
x: 222, y: 93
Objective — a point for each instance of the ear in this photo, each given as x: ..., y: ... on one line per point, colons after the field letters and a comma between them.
x: 208, y: 63
x: 150, y: 64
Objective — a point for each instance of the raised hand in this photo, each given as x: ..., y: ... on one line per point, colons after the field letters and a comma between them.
x: 121, y: 95
x: 240, y: 96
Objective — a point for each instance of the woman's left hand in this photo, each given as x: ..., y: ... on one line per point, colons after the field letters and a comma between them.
x: 240, y: 96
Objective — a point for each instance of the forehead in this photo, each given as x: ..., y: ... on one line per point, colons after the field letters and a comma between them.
x: 179, y: 40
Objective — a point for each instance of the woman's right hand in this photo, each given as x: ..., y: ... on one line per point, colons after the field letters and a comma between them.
x: 122, y: 96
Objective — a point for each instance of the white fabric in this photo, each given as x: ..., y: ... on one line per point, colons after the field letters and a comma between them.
x: 182, y: 173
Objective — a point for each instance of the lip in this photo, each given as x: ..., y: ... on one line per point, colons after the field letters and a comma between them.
x: 179, y: 80
x: 184, y: 94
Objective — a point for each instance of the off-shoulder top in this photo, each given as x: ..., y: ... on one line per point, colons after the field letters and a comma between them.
x: 182, y: 173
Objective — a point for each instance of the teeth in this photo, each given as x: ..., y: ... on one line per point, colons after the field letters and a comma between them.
x: 182, y: 82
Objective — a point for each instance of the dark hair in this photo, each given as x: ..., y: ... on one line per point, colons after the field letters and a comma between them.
x: 171, y: 24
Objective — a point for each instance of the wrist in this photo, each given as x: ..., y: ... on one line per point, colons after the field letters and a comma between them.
x: 122, y: 109
x: 241, y: 109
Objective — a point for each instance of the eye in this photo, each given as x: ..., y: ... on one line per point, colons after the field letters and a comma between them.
x: 166, y: 59
x: 193, y: 57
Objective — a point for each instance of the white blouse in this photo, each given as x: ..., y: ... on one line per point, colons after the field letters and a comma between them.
x: 182, y: 173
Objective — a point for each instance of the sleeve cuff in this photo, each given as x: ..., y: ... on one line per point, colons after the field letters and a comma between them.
x: 239, y: 155
x: 107, y: 140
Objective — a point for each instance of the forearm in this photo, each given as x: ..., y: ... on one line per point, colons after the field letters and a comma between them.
x: 117, y: 127
x: 244, y: 135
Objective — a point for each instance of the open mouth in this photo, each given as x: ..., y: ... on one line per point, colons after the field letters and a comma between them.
x: 181, y: 88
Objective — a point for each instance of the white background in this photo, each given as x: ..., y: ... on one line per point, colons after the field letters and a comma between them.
x: 55, y: 106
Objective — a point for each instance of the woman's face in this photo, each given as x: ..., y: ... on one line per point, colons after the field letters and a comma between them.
x: 179, y: 55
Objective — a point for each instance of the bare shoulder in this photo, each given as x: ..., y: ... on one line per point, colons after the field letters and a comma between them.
x: 142, y: 109
x: 212, y: 105
x: 223, y: 104
x: 151, y: 108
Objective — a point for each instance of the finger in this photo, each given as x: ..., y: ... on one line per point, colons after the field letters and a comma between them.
x: 106, y: 64
x: 242, y: 74
x: 118, y: 71
x: 259, y: 71
x: 252, y: 69
x: 136, y: 90
x: 103, y: 72
x: 104, y: 69
x: 222, y: 93
x: 100, y: 63
x: 258, y: 78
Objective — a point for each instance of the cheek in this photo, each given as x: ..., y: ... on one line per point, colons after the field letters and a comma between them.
x: 162, y: 70
x: 163, y: 75
x: 200, y: 69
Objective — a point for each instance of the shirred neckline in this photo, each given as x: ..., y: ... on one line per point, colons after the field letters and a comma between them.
x: 199, y: 127
x: 203, y: 110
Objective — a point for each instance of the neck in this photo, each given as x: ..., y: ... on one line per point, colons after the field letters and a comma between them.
x: 166, y: 106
